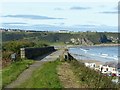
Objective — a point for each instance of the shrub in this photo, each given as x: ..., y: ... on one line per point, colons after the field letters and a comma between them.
x: 15, y: 46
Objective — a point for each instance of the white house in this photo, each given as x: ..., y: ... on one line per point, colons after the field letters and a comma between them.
x: 73, y: 40
x: 107, y: 69
x: 63, y: 31
x: 91, y: 65
x: 87, y: 64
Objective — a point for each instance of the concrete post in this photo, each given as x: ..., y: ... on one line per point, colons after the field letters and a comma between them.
x: 22, y: 53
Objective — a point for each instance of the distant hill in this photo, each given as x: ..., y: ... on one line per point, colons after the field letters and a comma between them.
x: 67, y: 38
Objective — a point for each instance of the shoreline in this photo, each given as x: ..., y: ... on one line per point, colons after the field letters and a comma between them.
x: 98, y: 63
x: 92, y: 61
x: 106, y: 45
x: 73, y: 46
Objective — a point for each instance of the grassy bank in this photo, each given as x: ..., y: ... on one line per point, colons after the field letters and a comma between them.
x: 52, y: 73
x: 12, y: 71
x: 44, y: 77
x: 91, y: 78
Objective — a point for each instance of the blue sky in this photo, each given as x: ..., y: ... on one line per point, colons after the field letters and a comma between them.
x: 54, y: 16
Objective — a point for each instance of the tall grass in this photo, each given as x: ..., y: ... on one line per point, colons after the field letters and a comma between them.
x: 91, y: 78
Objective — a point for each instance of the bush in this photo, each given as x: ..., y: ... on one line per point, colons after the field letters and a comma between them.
x: 41, y: 44
x: 6, y: 54
x: 15, y: 46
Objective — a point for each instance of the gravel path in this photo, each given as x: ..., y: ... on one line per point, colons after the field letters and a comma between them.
x: 26, y: 74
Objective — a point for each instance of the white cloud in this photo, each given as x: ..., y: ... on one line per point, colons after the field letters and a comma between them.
x: 52, y: 16
x: 59, y: 0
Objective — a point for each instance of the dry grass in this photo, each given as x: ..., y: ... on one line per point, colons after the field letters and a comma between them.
x: 67, y: 77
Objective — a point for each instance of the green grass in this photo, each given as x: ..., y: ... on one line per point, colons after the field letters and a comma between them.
x: 57, y: 43
x: 12, y: 71
x: 0, y: 79
x: 44, y: 77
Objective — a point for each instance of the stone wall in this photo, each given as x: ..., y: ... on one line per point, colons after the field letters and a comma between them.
x: 70, y: 57
x: 66, y: 56
x: 31, y: 53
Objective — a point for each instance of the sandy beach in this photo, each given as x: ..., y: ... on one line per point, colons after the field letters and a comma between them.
x: 73, y: 46
x: 107, y: 45
x: 92, y: 61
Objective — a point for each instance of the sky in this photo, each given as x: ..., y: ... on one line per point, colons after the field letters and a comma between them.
x: 51, y: 15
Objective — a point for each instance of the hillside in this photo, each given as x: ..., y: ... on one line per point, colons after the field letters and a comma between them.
x: 84, y: 38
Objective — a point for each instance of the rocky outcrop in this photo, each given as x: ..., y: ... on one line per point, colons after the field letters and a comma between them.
x: 104, y: 39
x: 81, y: 41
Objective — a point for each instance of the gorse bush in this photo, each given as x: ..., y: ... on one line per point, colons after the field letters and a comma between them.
x: 15, y: 46
x: 41, y: 44
x: 6, y: 54
x: 11, y: 47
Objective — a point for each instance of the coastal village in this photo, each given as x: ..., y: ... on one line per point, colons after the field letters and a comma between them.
x: 105, y: 70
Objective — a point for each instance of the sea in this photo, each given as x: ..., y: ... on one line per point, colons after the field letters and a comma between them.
x: 99, y: 53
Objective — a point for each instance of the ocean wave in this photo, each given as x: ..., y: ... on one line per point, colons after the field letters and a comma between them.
x: 93, y: 54
x: 84, y: 50
x: 104, y: 55
x: 115, y: 58
x: 107, y: 56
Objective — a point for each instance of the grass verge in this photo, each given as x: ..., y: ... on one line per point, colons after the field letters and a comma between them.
x: 44, y: 77
x: 12, y: 71
x: 91, y: 78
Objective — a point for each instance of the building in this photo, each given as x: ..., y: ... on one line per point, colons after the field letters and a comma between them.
x: 91, y: 65
x: 109, y: 70
x: 63, y: 31
x: 104, y: 69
